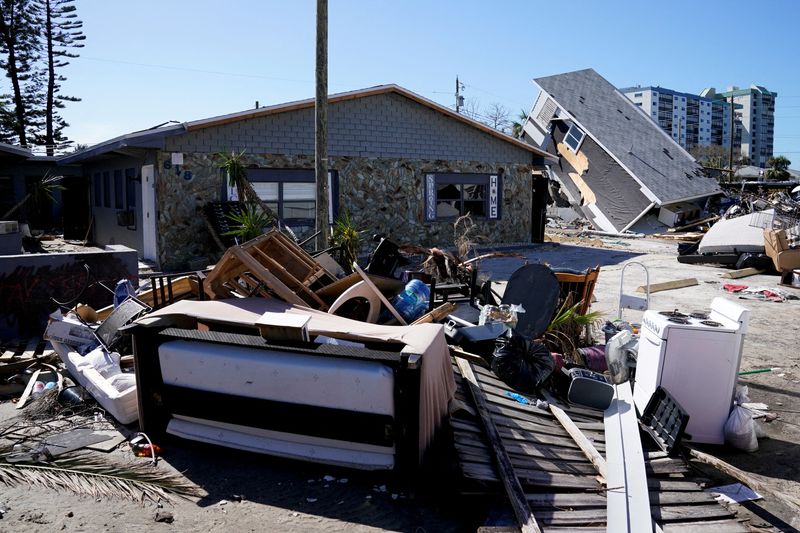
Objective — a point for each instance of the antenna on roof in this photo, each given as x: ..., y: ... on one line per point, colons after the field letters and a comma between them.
x: 257, y: 106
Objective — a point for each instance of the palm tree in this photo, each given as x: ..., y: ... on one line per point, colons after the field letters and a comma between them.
x: 517, y: 125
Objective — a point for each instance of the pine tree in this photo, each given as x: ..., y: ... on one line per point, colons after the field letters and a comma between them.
x: 19, y: 52
x: 62, y: 33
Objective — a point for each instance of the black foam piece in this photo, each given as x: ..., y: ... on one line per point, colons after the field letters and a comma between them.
x: 535, y: 288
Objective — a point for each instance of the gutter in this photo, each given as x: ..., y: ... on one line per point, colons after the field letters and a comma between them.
x: 637, y: 219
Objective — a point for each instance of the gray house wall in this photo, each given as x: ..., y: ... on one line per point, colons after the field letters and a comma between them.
x: 385, y: 125
x: 105, y: 227
x: 380, y: 146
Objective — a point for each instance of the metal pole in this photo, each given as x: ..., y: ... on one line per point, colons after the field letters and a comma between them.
x: 321, y: 125
x: 458, y: 88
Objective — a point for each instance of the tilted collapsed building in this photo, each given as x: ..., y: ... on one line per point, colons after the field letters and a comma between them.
x: 615, y: 164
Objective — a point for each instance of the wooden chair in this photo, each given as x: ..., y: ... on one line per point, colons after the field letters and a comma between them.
x: 579, y: 285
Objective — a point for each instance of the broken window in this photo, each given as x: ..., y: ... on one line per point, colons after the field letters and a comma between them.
x: 574, y: 138
x: 449, y: 196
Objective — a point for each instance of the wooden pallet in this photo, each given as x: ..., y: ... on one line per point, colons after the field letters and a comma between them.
x: 17, y: 355
x: 270, y: 265
x: 562, y: 487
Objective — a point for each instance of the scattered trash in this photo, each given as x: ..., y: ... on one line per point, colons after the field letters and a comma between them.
x: 164, y: 516
x: 735, y: 493
x: 521, y: 363
x: 740, y: 429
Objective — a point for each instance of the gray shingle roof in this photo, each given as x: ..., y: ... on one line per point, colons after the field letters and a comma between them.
x: 632, y: 137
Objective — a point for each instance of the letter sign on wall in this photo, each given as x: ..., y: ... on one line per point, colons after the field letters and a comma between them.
x: 430, y: 197
x: 493, y: 211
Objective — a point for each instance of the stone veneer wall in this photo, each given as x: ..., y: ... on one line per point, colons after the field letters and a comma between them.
x: 383, y: 195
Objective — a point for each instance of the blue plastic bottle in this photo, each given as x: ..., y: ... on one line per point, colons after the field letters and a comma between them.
x: 413, y: 301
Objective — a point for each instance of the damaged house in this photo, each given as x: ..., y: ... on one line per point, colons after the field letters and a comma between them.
x: 400, y: 164
x: 615, y: 164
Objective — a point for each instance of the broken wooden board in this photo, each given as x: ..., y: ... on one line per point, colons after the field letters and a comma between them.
x: 525, y: 518
x: 669, y: 285
x: 551, y: 467
x: 742, y: 273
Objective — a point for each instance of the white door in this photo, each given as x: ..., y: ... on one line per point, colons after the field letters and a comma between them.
x: 149, y: 213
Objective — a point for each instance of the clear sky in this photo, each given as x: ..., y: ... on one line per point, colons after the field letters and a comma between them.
x: 147, y: 62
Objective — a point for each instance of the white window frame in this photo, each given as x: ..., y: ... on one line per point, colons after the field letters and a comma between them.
x: 571, y: 134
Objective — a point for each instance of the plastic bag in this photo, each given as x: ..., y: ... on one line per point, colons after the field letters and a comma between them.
x: 740, y: 429
x: 522, y: 364
x: 504, y: 313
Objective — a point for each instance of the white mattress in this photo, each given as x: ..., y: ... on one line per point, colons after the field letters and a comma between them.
x: 740, y: 234
x: 353, y: 385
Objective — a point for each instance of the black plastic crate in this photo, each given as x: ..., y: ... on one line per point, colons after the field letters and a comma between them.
x: 664, y: 420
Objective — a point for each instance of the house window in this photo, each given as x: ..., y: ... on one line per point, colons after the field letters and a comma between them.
x: 98, y: 190
x: 291, y: 194
x: 118, y: 190
x: 130, y: 188
x: 574, y: 138
x: 448, y: 196
x: 106, y: 189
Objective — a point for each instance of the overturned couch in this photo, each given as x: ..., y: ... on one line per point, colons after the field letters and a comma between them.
x: 355, y: 394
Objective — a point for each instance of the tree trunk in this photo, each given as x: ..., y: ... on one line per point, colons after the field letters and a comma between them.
x: 49, y: 141
x: 9, y: 35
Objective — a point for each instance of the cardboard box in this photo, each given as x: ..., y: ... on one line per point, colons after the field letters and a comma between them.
x: 777, y: 248
x: 69, y: 333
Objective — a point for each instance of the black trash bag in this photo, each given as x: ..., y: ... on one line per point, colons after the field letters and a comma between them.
x: 522, y: 364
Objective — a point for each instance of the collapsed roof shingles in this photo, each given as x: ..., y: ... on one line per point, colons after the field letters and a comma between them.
x: 655, y: 160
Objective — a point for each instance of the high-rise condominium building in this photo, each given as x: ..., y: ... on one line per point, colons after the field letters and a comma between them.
x: 690, y: 119
x: 754, y: 120
x: 705, y: 119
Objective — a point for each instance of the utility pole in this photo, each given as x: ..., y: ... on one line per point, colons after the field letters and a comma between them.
x: 730, y: 160
x: 321, y: 125
x: 459, y: 98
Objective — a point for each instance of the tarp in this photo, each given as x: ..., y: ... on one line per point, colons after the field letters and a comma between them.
x: 437, y: 383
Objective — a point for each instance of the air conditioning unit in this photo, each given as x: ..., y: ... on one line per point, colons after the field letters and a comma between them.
x: 9, y: 226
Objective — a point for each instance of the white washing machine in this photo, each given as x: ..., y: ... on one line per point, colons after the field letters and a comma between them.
x: 695, y: 356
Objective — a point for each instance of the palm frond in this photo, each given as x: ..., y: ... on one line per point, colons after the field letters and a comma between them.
x: 85, y: 475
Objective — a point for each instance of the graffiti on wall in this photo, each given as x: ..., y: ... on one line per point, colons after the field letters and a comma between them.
x: 27, y: 291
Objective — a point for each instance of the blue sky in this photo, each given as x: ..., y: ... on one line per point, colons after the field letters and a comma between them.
x: 147, y: 62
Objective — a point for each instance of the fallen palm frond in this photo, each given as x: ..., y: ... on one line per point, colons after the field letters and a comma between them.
x: 86, y: 475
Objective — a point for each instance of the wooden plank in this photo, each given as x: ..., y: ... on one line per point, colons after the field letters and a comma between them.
x: 672, y: 513
x: 740, y: 475
x: 471, y: 444
x: 532, y: 478
x: 628, y: 498
x: 566, y: 500
x: 742, y: 273
x: 515, y: 436
x: 519, y: 504
x: 30, y: 349
x: 380, y: 295
x: 257, y: 269
x: 471, y: 357
x: 437, y: 314
x: 476, y: 455
x: 591, y: 500
x: 693, y: 224
x: 706, y: 526
x: 669, y: 285
x: 580, y: 439
x: 27, y: 393
x: 8, y: 355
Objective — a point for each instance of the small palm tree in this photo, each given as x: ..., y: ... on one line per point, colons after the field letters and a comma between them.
x: 517, y: 125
